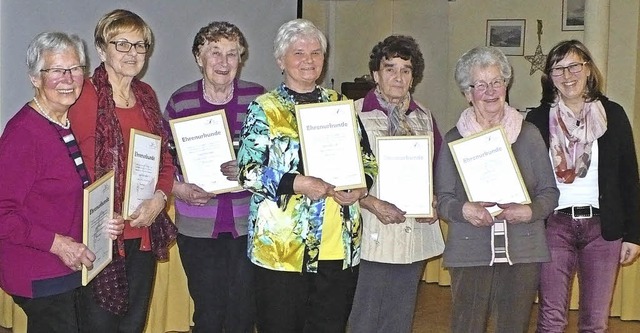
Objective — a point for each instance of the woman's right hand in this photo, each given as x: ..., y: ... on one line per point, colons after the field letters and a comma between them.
x: 192, y: 194
x: 312, y: 187
x: 385, y: 211
x: 477, y: 214
x: 72, y: 253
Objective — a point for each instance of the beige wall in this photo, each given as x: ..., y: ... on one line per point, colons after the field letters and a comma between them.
x: 445, y: 30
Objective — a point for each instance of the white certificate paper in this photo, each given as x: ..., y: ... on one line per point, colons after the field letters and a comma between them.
x: 97, y: 211
x: 143, y: 167
x: 488, y: 169
x: 330, y: 143
x: 405, y: 173
x: 203, y: 143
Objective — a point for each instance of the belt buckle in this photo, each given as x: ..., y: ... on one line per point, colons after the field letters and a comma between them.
x: 578, y: 217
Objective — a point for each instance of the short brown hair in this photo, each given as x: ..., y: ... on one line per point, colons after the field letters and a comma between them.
x: 117, y: 22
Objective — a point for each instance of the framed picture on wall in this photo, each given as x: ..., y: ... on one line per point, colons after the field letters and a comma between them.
x: 507, y: 35
x: 573, y: 15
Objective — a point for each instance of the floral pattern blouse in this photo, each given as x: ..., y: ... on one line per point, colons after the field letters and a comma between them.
x: 285, y: 228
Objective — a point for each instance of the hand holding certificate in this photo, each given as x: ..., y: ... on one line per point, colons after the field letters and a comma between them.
x: 330, y: 143
x: 97, y: 211
x: 488, y: 169
x: 204, y: 144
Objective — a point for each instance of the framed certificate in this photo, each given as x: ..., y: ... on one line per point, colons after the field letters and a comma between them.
x: 143, y: 167
x: 330, y: 143
x: 203, y: 143
x: 405, y: 173
x: 488, y: 169
x: 96, y: 213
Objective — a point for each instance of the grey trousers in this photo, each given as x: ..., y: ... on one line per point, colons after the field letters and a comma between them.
x: 505, y: 292
x: 385, y: 297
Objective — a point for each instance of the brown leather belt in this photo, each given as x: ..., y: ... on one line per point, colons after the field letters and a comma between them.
x: 580, y: 212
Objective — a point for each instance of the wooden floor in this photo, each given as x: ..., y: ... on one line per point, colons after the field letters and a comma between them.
x: 434, y: 307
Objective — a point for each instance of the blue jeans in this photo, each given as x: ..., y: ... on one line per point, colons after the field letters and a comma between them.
x: 577, y: 246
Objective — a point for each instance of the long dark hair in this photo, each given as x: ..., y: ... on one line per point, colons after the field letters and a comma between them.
x: 557, y: 53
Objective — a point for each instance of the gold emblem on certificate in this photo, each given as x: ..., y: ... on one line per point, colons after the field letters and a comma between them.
x: 143, y: 168
x: 488, y: 169
x: 97, y: 211
x: 203, y: 143
x: 330, y: 143
x: 405, y: 173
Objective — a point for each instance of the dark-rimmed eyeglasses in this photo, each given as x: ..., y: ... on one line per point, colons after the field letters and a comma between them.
x: 58, y: 73
x: 482, y: 86
x: 572, y: 68
x: 124, y: 46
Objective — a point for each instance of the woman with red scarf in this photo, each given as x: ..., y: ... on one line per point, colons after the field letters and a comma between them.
x: 113, y: 102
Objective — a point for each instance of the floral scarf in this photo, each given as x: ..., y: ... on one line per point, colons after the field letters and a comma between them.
x: 397, y: 114
x: 572, y: 136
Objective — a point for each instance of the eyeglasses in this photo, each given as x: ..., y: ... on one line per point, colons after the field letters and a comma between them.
x: 572, y: 68
x: 59, y: 73
x: 124, y: 46
x: 481, y: 86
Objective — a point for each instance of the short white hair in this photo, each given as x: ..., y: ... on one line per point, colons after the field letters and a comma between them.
x: 291, y: 31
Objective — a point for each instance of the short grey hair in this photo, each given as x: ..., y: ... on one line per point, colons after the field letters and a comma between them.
x: 291, y: 31
x: 481, y: 56
x: 56, y: 42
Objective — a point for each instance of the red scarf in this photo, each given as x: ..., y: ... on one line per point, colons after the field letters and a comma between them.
x: 110, y: 287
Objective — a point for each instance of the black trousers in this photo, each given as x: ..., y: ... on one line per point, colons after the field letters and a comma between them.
x: 51, y: 314
x: 220, y: 280
x: 291, y: 302
x: 141, y: 269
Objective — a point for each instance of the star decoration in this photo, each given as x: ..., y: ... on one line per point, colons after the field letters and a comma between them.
x: 537, y: 60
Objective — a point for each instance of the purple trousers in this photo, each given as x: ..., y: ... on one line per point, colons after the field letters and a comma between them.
x: 577, y: 246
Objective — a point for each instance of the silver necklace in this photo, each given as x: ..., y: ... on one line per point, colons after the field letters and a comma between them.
x: 214, y: 101
x: 44, y: 114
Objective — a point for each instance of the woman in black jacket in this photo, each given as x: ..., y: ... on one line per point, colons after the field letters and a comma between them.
x: 595, y: 226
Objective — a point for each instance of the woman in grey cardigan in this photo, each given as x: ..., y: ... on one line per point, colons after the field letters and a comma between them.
x: 479, y: 286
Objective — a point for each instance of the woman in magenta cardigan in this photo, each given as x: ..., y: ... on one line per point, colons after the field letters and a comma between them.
x: 43, y: 174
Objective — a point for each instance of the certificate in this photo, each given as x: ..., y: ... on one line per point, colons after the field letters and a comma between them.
x: 405, y: 173
x: 143, y: 167
x: 203, y: 144
x: 96, y: 213
x: 488, y: 169
x: 330, y: 143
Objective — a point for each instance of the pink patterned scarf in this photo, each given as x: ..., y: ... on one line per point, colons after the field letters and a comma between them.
x: 572, y: 136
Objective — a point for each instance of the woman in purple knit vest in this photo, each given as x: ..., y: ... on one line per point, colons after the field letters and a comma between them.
x: 212, y: 237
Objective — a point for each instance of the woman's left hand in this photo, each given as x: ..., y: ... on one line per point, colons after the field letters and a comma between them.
x: 629, y: 253
x: 147, y: 211
x: 230, y: 169
x: 514, y: 213
x: 347, y: 198
x: 115, y: 226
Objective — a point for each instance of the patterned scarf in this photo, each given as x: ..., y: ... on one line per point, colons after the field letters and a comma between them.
x: 110, y: 287
x: 511, y: 122
x: 572, y: 136
x: 397, y: 113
